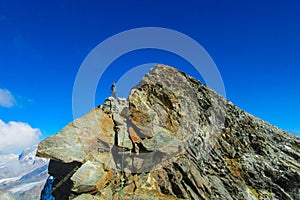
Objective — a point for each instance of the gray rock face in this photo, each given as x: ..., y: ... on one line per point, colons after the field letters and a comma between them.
x: 173, y: 138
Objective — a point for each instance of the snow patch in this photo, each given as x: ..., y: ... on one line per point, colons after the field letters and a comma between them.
x: 26, y: 187
x: 8, y: 180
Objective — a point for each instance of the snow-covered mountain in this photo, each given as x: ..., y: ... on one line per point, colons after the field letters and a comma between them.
x: 22, y: 176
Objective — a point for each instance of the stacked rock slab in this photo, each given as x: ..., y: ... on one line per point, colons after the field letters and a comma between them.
x: 174, y: 138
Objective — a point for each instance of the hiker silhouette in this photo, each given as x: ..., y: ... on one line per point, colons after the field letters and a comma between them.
x: 113, y: 90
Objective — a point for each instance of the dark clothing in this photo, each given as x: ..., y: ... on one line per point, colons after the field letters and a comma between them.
x: 113, y: 91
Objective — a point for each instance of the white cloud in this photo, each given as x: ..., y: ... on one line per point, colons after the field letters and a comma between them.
x: 6, y: 98
x: 16, y: 136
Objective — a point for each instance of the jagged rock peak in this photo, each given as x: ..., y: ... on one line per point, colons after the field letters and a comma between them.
x: 173, y: 138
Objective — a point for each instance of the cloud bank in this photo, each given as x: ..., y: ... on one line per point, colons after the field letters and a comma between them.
x: 16, y: 136
x: 6, y: 98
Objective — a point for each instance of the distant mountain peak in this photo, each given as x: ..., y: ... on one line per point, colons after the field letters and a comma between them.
x: 22, y: 176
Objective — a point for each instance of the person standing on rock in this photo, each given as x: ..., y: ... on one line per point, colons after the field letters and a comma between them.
x: 113, y: 90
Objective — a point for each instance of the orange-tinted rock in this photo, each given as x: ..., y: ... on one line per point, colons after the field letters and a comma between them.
x: 133, y: 136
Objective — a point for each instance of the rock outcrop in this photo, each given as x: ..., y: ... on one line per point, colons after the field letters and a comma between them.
x: 174, y: 138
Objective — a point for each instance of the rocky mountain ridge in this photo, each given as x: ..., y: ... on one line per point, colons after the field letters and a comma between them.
x: 173, y: 138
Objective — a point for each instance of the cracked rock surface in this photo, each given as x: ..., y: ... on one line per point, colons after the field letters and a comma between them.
x: 173, y: 138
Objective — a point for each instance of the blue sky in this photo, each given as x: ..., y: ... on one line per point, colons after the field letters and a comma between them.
x: 255, y: 45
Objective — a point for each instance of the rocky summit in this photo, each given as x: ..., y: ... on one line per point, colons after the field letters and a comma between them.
x: 173, y: 138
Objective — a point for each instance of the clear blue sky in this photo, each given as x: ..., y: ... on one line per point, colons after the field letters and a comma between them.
x: 255, y: 45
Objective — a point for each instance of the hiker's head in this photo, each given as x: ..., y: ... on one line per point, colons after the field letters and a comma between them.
x: 114, y: 84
